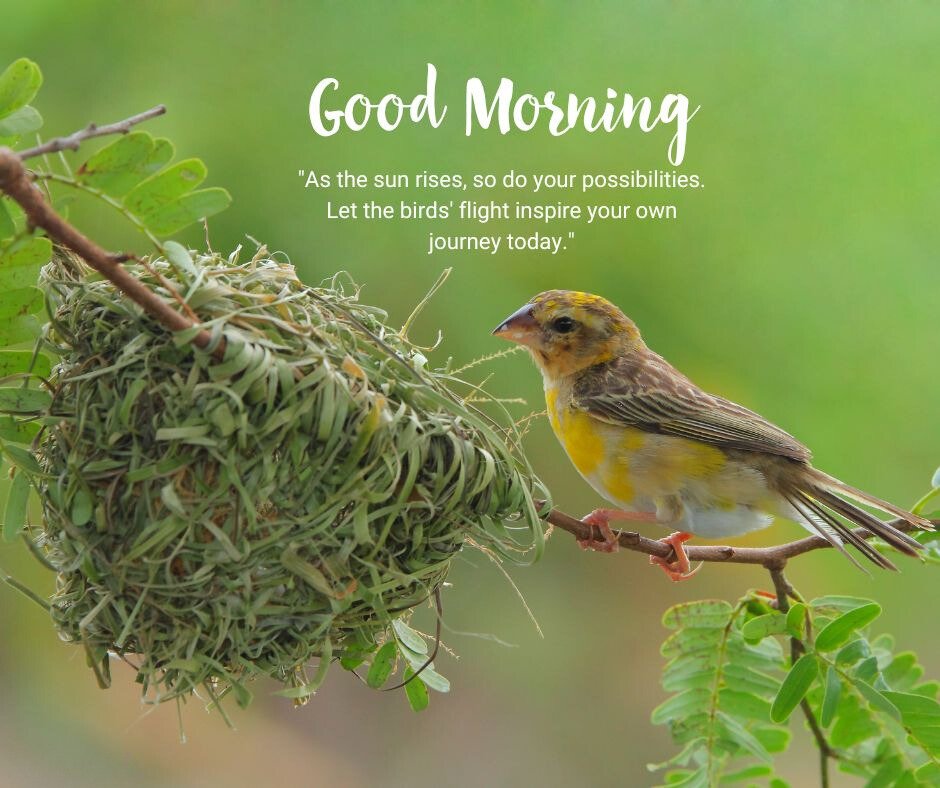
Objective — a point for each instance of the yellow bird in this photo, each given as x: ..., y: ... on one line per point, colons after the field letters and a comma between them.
x: 661, y: 449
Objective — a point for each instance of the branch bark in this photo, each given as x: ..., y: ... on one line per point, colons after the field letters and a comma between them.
x: 771, y: 558
x: 17, y: 184
x: 72, y: 141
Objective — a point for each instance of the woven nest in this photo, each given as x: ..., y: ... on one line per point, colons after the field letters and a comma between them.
x: 214, y: 520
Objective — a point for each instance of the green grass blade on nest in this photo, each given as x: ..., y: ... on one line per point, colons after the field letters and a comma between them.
x: 220, y: 520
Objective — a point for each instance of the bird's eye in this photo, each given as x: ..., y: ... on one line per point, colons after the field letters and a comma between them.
x: 563, y: 325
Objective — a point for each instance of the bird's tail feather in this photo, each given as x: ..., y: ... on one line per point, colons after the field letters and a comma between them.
x: 821, y: 504
x: 834, y: 485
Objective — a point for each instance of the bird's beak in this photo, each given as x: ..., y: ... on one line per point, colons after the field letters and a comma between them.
x: 519, y: 327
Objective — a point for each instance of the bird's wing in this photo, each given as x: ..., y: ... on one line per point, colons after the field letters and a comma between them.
x: 647, y: 393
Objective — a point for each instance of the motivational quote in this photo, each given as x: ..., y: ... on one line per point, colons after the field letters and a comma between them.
x: 490, y: 203
x: 490, y: 207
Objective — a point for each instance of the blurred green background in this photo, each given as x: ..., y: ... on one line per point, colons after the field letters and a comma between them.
x: 802, y: 281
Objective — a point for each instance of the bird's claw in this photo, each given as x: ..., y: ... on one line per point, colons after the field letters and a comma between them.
x: 600, y: 519
x: 679, y: 569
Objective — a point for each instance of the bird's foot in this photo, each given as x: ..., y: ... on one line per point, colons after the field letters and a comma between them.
x: 680, y: 569
x: 600, y: 518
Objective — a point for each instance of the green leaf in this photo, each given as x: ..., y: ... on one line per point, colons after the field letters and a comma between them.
x: 835, y: 603
x: 687, y: 674
x: 119, y: 167
x: 916, y: 710
x: 242, y: 694
x: 433, y: 679
x: 409, y: 637
x: 418, y: 661
x: 13, y: 361
x: 353, y: 657
x: 760, y: 770
x: 706, y: 614
x: 928, y: 689
x: 867, y: 669
x: 165, y: 187
x: 838, y: 631
x: 23, y: 301
x: 831, y: 698
x: 16, y: 430
x: 691, y: 641
x: 187, y: 209
x: 743, y: 737
x: 20, y: 400
x: 903, y: 672
x: 18, y: 85
x: 796, y: 620
x: 383, y: 663
x: 887, y: 775
x: 179, y: 255
x: 853, y: 723
x: 15, y: 515
x: 23, y: 121
x: 304, y: 691
x: 929, y: 773
x: 794, y: 687
x: 877, y: 700
x: 935, y: 480
x: 19, y: 265
x: 166, y: 202
x: 82, y: 507
x: 746, y: 679
x: 744, y: 705
x: 416, y: 691
x: 773, y: 738
x: 853, y: 652
x: 681, y: 758
x: 7, y: 227
x: 760, y: 627
x: 19, y: 329
x: 683, y: 778
x: 22, y: 458
x: 681, y: 705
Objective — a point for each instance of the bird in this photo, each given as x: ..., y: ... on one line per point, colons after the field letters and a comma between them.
x: 662, y: 450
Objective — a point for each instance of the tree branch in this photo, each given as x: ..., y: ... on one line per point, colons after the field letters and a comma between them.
x: 16, y: 183
x: 72, y: 141
x: 771, y: 558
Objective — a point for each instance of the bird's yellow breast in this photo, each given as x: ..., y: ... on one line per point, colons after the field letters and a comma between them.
x: 622, y: 462
x: 578, y: 433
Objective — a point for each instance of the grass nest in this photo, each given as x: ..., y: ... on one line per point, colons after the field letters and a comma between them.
x: 212, y: 521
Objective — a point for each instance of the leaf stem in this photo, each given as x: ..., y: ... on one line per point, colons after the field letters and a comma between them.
x: 716, y: 688
x: 784, y: 593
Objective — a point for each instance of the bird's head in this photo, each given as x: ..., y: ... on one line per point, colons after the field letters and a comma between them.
x: 567, y: 331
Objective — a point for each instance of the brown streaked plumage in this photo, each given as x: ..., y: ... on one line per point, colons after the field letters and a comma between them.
x: 662, y: 449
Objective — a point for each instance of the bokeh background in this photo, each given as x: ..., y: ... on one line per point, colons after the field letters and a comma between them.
x: 803, y: 281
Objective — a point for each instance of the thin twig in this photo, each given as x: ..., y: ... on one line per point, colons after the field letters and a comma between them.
x: 768, y: 557
x: 72, y: 141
